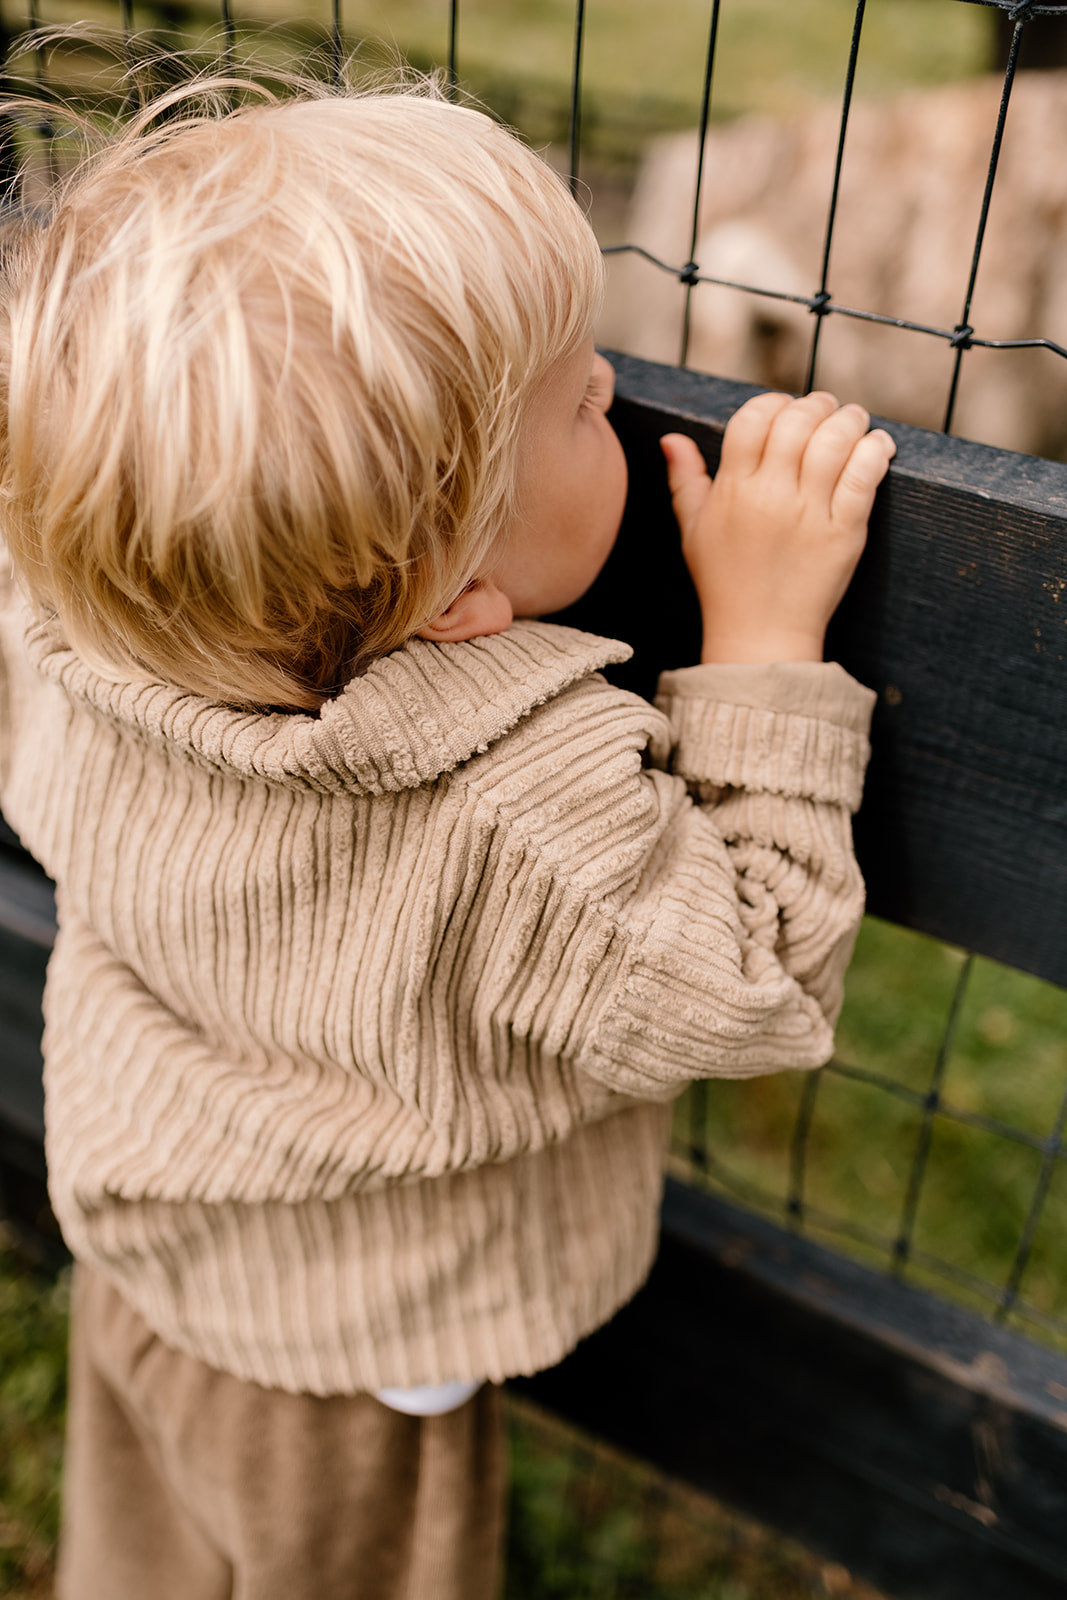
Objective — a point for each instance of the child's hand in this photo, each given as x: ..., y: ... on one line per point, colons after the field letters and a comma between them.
x: 772, y: 543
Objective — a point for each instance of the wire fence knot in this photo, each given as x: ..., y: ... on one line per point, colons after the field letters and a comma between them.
x: 688, y: 274
x: 962, y: 334
x: 1020, y: 10
x: 819, y: 303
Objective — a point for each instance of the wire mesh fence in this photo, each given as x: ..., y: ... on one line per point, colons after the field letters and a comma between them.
x: 820, y: 302
x: 932, y: 1145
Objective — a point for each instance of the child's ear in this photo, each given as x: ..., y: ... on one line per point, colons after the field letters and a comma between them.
x: 481, y: 608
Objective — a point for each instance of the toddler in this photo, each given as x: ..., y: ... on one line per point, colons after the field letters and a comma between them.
x: 388, y: 930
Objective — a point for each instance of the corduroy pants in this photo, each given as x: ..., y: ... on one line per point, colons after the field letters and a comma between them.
x: 183, y: 1483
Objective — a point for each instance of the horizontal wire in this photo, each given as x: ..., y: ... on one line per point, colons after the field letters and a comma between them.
x: 920, y: 1098
x: 820, y: 306
x: 1048, y: 1144
x: 717, y: 1172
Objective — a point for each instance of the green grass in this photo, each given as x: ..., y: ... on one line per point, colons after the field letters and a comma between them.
x: 33, y: 1334
x: 643, y: 64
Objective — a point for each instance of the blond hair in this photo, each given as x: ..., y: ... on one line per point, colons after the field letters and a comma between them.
x: 262, y: 377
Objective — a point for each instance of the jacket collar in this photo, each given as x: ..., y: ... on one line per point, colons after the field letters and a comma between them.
x: 412, y: 716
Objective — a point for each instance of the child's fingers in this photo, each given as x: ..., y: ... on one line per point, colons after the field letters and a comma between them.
x: 829, y: 448
x: 748, y: 430
x: 863, y: 472
x: 687, y: 476
x: 794, y: 427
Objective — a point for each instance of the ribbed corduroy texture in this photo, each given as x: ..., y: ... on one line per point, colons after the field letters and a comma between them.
x: 362, y: 1029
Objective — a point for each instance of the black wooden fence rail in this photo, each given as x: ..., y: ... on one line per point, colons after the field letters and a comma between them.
x: 912, y: 1440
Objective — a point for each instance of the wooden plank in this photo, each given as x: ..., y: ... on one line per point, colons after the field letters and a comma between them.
x: 27, y: 922
x: 910, y: 1440
x: 957, y: 617
x: 27, y: 901
x: 22, y: 966
x: 27, y: 928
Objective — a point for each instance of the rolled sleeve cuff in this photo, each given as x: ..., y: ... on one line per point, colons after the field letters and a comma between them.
x: 790, y: 728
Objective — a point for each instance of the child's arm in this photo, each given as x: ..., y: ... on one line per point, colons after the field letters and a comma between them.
x: 644, y: 939
x: 771, y: 742
x: 717, y: 935
x: 772, y: 543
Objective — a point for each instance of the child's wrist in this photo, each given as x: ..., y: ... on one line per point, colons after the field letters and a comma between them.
x: 744, y: 648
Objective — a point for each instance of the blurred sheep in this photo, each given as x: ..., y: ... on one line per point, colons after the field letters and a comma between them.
x: 912, y: 183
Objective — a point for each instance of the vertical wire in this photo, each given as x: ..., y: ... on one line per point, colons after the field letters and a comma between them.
x: 691, y: 268
x: 40, y: 71
x: 134, y: 96
x: 45, y: 127
x: 1053, y: 1151
x: 453, y: 36
x: 798, y: 1147
x: 9, y: 164
x: 963, y: 331
x: 823, y: 295
x: 576, y: 96
x: 228, y: 32
x: 337, y: 53
x: 697, y: 1143
x: 905, y: 1235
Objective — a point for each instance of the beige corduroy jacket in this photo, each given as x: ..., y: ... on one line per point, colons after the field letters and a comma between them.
x: 362, y: 1028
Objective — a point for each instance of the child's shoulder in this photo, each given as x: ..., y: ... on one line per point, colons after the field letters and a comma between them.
x: 569, y: 776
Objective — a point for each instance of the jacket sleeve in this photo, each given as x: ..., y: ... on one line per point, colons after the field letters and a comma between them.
x: 702, y: 896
